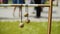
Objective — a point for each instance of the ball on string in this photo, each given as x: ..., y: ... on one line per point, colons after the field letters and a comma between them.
x: 27, y: 20
x: 21, y: 25
x: 26, y: 15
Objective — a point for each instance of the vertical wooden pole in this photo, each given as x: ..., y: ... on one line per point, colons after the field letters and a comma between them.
x: 50, y: 17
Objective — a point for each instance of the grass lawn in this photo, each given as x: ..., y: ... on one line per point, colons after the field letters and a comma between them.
x: 31, y: 28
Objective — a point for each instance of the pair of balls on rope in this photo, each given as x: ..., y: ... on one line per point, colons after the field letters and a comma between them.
x: 21, y: 25
x: 26, y: 21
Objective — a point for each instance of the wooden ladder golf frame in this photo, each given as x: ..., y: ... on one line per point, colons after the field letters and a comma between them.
x: 41, y: 5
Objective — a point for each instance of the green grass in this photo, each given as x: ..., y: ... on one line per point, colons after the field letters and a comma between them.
x: 31, y: 28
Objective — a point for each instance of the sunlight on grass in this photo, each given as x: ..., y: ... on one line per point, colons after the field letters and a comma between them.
x: 31, y: 28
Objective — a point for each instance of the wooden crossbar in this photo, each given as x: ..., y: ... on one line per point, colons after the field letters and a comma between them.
x: 30, y: 5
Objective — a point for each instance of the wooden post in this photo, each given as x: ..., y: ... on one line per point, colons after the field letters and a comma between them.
x: 50, y: 17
